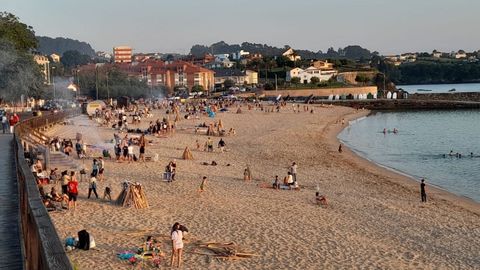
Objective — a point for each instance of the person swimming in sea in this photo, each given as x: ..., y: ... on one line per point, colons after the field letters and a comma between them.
x: 451, y: 153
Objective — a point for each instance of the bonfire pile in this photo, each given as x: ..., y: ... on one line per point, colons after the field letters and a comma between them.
x: 132, y: 195
x: 187, y: 154
x: 222, y: 251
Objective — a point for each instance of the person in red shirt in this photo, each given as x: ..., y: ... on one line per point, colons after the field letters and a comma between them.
x: 72, y: 193
x: 14, y: 119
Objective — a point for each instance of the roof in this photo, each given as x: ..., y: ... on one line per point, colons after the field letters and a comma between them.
x: 229, y: 72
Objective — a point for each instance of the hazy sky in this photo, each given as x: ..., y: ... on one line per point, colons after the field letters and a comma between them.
x: 388, y: 26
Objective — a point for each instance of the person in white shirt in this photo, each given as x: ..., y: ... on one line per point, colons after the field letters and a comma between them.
x: 177, y: 244
x: 130, y: 152
x: 293, y: 171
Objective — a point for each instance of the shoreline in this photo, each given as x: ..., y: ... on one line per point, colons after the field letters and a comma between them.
x: 331, y: 134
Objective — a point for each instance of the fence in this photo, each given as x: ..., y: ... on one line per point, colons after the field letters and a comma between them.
x: 42, y: 246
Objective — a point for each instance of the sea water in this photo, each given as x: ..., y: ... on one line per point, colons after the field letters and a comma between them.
x: 422, y: 146
x: 441, y: 88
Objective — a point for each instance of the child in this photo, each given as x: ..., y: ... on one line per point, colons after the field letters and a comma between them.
x: 106, y: 193
x: 203, y: 184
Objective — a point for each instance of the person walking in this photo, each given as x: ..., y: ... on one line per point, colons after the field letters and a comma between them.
x: 221, y: 145
x: 422, y: 191
x: 177, y: 245
x: 92, y: 186
x: 203, y: 184
x: 4, y: 122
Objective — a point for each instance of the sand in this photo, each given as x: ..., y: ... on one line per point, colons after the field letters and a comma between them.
x: 374, y: 218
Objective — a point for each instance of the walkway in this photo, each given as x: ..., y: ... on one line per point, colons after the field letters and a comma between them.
x: 10, y: 243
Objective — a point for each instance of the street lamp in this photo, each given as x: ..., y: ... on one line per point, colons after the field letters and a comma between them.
x: 53, y: 82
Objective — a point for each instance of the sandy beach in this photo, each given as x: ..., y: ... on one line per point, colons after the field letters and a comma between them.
x: 374, y: 219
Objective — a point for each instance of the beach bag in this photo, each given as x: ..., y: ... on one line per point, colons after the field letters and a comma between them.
x: 92, y: 242
x: 83, y: 240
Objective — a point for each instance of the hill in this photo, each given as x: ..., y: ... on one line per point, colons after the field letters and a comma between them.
x: 349, y: 52
x: 59, y: 45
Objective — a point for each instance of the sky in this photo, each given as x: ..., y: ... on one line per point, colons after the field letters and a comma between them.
x: 386, y: 26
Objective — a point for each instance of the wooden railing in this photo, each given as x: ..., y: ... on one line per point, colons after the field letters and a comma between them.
x: 42, y: 247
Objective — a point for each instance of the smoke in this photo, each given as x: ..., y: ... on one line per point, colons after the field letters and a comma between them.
x: 61, y: 88
x: 19, y: 74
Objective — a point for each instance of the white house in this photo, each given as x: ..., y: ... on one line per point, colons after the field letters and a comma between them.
x: 460, y: 54
x: 239, y: 55
x: 306, y: 75
x: 290, y: 54
x: 436, y: 54
x: 221, y: 57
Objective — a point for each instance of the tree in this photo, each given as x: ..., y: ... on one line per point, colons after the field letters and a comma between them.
x: 295, y: 80
x: 72, y: 59
x: 19, y: 34
x: 361, y: 78
x: 228, y: 83
x: 314, y: 80
x: 19, y: 74
x: 197, y: 88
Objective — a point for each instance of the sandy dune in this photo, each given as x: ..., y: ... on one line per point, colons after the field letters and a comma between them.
x: 374, y: 219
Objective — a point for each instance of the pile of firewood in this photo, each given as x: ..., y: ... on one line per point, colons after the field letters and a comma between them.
x: 222, y: 251
x: 132, y: 195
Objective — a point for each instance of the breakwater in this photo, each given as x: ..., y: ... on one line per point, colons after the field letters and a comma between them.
x: 403, y: 104
x: 452, y: 96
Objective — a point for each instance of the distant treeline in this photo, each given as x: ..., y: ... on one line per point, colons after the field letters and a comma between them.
x: 350, y: 52
x: 59, y: 45
x: 434, y: 72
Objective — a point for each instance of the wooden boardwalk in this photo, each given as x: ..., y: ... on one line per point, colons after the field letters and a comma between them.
x: 10, y: 241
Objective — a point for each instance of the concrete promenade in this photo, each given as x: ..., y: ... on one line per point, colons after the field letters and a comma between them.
x: 10, y: 242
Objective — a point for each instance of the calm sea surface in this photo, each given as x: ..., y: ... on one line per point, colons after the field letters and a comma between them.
x: 417, y: 149
x: 441, y: 88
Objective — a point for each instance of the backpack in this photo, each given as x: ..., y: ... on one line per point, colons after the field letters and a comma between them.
x: 72, y: 187
x: 83, y: 240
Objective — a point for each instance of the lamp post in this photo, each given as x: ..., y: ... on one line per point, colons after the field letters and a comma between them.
x: 53, y: 83
x: 108, y: 91
x: 96, y: 82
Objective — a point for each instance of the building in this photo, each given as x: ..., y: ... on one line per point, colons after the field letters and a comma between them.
x: 322, y: 65
x: 55, y: 57
x: 239, y: 77
x: 460, y: 54
x: 307, y: 74
x: 44, y: 64
x: 122, y: 54
x: 239, y: 55
x: 252, y: 77
x: 225, y: 63
x: 436, y: 54
x: 290, y: 54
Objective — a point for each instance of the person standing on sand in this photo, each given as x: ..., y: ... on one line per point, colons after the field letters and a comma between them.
x: 293, y: 171
x: 72, y: 193
x: 92, y: 186
x: 203, y: 184
x: 177, y: 245
x: 422, y: 191
x: 142, y: 144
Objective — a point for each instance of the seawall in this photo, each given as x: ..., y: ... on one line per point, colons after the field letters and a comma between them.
x: 404, y: 104
x: 456, y: 96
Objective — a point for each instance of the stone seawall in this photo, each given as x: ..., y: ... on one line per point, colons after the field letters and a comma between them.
x: 404, y: 104
x: 454, y: 96
x: 322, y: 92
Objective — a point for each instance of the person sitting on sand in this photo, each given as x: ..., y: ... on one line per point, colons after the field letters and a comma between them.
x: 320, y: 199
x: 288, y: 180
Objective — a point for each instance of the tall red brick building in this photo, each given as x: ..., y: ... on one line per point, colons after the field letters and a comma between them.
x: 122, y: 54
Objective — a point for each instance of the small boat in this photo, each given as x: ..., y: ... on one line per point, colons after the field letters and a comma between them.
x: 452, y: 90
x: 424, y: 90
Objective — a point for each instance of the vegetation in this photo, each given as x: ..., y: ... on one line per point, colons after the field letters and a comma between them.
x: 61, y: 45
x: 19, y: 74
x: 112, y: 82
x: 350, y: 52
x: 72, y: 59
